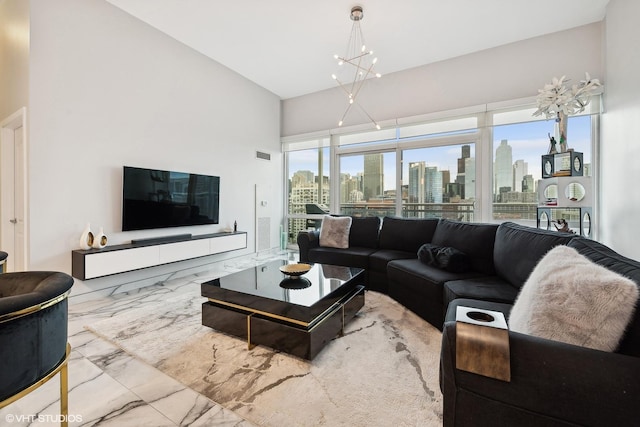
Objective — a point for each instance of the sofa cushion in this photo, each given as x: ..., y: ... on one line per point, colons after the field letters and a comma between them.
x: 364, y: 232
x: 475, y: 240
x: 334, y: 232
x: 607, y: 257
x: 419, y: 287
x: 350, y: 257
x: 488, y: 288
x: 406, y: 234
x: 570, y: 299
x: 379, y: 259
x: 518, y: 248
x: 415, y: 274
x: 445, y: 258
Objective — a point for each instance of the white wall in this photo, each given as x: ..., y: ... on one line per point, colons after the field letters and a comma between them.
x: 14, y: 56
x: 107, y: 90
x: 620, y: 200
x: 513, y: 71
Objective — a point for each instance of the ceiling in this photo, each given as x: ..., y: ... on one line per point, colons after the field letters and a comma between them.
x: 287, y: 46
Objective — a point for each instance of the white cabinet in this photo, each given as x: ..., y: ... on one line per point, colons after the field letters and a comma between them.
x: 92, y: 263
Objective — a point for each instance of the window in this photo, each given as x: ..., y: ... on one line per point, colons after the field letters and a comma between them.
x: 481, y: 164
x: 439, y: 182
x: 368, y: 184
x: 517, y: 164
x: 308, y: 189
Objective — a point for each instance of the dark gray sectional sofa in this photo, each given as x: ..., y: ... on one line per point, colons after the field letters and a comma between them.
x: 552, y: 383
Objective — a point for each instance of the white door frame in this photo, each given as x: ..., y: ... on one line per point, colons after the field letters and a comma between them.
x: 8, y: 127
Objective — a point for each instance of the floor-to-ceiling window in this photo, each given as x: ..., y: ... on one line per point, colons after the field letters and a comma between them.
x: 308, y: 186
x: 477, y: 166
x: 368, y: 184
x: 517, y: 150
x: 439, y: 182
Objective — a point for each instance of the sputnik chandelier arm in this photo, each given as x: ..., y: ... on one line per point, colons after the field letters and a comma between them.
x: 359, y: 58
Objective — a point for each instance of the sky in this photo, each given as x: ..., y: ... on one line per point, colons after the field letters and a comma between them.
x: 529, y: 141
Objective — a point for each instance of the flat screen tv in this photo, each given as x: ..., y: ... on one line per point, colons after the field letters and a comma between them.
x: 153, y: 198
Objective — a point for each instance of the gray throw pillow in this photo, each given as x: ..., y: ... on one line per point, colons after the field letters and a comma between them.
x: 334, y: 231
x: 568, y: 298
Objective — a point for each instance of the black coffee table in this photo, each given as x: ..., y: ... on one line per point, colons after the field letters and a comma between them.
x: 294, y: 315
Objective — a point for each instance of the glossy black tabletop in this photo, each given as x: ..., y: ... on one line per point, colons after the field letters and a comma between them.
x: 265, y: 290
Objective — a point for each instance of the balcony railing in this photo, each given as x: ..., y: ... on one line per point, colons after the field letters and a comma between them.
x: 524, y: 213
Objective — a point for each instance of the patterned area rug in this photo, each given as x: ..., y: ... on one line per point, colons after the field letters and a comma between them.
x: 383, y: 371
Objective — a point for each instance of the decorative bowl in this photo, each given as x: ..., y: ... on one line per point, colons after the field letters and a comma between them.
x: 295, y: 269
x: 295, y: 282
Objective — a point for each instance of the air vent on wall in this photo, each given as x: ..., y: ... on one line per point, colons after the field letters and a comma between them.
x: 263, y: 156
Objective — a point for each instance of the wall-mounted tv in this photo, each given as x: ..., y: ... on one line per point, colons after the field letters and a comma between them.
x: 153, y: 198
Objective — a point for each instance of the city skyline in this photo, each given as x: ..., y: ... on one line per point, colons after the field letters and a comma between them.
x: 529, y: 141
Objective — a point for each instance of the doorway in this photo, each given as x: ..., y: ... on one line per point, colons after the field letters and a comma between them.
x: 13, y: 190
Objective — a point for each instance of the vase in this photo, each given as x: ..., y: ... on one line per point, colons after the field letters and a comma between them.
x: 86, y: 238
x: 99, y: 240
x: 561, y: 131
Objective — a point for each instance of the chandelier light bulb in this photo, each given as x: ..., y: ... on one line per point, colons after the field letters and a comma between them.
x: 378, y: 75
x: 334, y: 77
x: 363, y: 48
x: 336, y: 56
x: 377, y: 126
x: 375, y: 60
x: 340, y: 123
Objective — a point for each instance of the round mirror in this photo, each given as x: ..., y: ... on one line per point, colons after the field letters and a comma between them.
x: 551, y: 191
x: 577, y: 164
x: 547, y: 167
x: 574, y: 191
x: 543, y: 221
x: 586, y: 224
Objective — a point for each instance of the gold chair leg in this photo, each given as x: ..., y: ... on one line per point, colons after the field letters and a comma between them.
x: 64, y: 391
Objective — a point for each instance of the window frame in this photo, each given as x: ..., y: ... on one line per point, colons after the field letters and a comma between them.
x: 361, y: 140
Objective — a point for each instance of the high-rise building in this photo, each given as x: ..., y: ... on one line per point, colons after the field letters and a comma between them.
x: 466, y: 154
x: 302, y: 177
x: 520, y: 169
x: 433, y: 185
x: 503, y: 168
x: 349, y: 189
x: 417, y: 191
x: 373, y: 176
x: 528, y: 184
x: 469, y: 191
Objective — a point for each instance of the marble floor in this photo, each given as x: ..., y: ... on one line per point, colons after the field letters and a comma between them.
x: 107, y: 386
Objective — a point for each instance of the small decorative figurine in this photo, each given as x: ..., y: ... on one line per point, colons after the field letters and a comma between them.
x: 235, y: 226
x: 564, y: 226
x: 552, y: 145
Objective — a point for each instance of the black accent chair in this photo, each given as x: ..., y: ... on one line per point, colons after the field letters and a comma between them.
x: 33, y: 334
x: 3, y: 262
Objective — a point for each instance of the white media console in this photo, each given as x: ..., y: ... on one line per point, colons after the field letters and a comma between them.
x: 93, y: 263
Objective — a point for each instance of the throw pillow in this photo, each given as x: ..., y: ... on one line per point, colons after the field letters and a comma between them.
x: 568, y: 298
x: 445, y: 258
x: 334, y: 231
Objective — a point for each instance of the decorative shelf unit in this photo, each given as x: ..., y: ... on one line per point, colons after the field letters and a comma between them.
x: 94, y: 263
x: 569, y: 163
x: 566, y: 197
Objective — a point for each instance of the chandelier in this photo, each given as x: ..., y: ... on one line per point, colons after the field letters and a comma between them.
x: 355, y: 66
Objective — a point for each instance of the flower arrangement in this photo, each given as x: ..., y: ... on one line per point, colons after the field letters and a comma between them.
x: 557, y: 98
